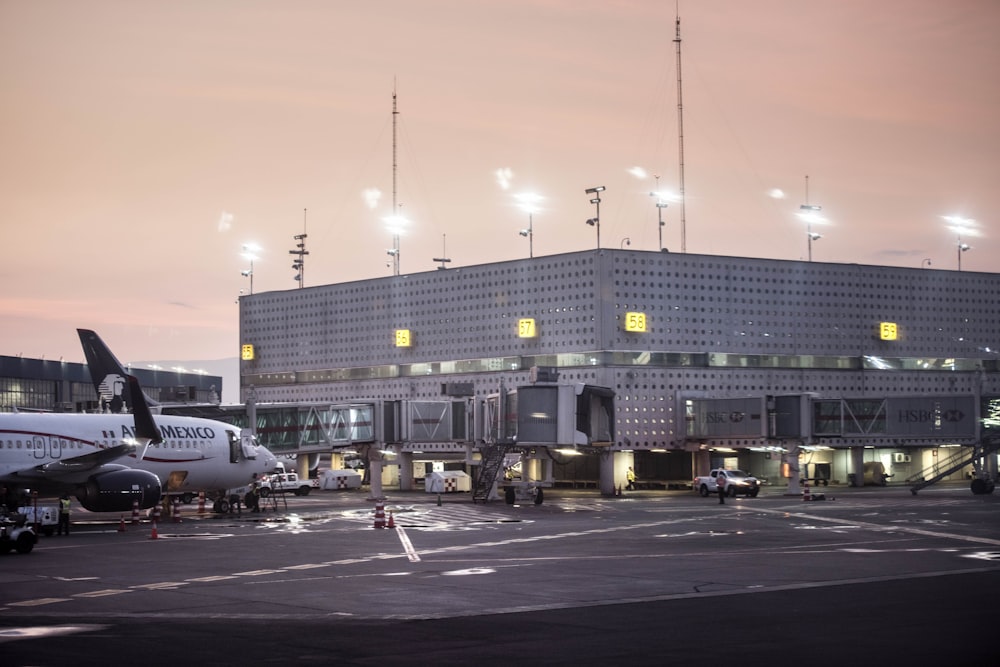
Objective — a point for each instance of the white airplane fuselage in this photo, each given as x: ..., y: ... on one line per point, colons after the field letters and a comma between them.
x: 71, y: 451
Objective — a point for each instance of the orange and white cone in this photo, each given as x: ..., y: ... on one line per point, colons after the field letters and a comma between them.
x: 154, y: 535
x: 805, y: 490
x: 392, y: 522
x: 379, y: 516
x: 121, y: 524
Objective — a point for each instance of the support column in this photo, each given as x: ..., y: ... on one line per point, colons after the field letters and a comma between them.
x: 858, y: 465
x: 702, y: 462
x: 791, y: 458
x: 302, y: 466
x: 406, y: 471
x: 607, y: 470
x: 375, y: 472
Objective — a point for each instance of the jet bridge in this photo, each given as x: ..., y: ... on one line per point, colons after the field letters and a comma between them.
x: 529, y: 421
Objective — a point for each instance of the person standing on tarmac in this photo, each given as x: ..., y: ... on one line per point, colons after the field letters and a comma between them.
x: 630, y: 478
x: 720, y: 484
x: 64, y: 503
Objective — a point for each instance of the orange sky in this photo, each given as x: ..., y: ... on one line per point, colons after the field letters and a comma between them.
x: 128, y: 128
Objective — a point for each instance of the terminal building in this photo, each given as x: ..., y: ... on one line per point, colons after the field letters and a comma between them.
x: 60, y: 386
x: 787, y: 369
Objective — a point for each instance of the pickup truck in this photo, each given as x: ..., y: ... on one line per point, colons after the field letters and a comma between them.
x: 735, y: 482
x: 287, y: 482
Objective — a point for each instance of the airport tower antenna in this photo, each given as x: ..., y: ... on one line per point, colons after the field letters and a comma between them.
x: 680, y: 128
x: 395, y: 209
x: 299, y: 264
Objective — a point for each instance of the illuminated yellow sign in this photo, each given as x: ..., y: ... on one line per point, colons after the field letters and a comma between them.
x: 526, y: 327
x: 246, y: 352
x: 888, y: 331
x: 635, y: 322
x: 403, y: 338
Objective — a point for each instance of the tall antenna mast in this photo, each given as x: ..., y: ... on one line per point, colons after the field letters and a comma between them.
x: 680, y: 129
x: 395, y: 209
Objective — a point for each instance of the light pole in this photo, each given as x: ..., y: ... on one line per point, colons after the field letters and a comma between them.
x: 249, y: 253
x: 809, y: 212
x: 960, y: 226
x: 596, y: 220
x: 660, y: 205
x: 528, y: 203
x: 396, y: 224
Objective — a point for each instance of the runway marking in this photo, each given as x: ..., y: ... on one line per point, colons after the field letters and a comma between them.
x: 37, y: 602
x: 40, y: 631
x: 411, y: 553
x: 880, y: 527
x: 104, y: 593
x: 161, y: 585
x: 205, y: 580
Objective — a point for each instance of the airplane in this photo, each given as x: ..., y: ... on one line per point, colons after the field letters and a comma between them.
x: 208, y: 470
x: 110, y: 460
x: 60, y: 452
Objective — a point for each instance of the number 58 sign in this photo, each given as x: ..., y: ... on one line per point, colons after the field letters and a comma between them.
x: 635, y: 322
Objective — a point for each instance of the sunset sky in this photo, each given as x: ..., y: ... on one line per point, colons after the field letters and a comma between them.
x: 143, y: 143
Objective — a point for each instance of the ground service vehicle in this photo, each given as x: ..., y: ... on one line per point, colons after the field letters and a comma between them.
x: 287, y: 482
x: 735, y: 482
x: 44, y: 518
x: 15, y: 534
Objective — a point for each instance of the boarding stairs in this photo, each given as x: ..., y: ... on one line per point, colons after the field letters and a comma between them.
x: 492, y: 458
x: 951, y: 464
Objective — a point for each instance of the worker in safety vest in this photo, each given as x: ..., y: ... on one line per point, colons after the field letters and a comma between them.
x: 63, y: 514
x: 630, y: 478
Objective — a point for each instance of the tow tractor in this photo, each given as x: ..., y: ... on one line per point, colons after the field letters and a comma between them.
x: 16, y: 534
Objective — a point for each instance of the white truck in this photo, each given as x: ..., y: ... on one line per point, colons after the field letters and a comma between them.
x: 288, y: 482
x: 734, y: 482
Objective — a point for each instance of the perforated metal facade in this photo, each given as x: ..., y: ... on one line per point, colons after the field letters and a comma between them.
x: 721, y: 327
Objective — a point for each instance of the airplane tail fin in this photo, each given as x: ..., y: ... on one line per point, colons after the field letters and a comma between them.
x: 106, y: 372
x: 146, y: 432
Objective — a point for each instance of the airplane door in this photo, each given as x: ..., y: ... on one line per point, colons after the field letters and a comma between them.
x: 38, y: 444
x: 55, y: 447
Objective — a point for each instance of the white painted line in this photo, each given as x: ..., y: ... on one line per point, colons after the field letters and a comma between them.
x: 100, y: 594
x: 880, y: 527
x: 411, y: 553
x: 37, y: 603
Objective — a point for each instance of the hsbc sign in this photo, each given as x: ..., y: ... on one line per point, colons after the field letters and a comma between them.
x: 724, y: 417
x: 933, y: 416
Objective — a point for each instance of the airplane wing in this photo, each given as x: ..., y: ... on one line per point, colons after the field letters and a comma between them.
x: 84, y: 463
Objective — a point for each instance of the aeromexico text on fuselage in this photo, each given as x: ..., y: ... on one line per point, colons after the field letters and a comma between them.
x: 172, y: 432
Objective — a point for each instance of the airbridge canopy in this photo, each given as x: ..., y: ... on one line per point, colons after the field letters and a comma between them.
x: 805, y: 415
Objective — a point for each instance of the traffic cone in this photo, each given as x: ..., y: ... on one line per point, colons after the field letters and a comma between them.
x: 121, y: 524
x: 379, y: 516
x: 805, y: 490
x: 392, y: 522
x: 135, y: 512
x: 154, y: 535
x: 177, y: 511
x: 201, y: 502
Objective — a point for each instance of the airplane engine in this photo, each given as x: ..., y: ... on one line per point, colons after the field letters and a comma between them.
x: 115, y: 491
